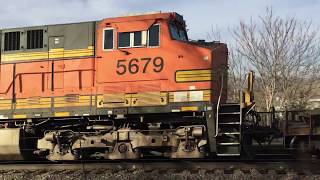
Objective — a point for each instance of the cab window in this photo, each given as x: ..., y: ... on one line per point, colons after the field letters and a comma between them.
x: 124, y: 40
x: 178, y: 32
x: 137, y: 37
x: 108, y: 39
x: 150, y: 38
x: 130, y: 39
x: 154, y: 35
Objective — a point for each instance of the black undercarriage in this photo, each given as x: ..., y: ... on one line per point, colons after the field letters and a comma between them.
x: 234, y: 132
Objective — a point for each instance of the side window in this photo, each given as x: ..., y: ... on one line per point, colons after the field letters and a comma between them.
x: 35, y: 39
x: 137, y: 38
x: 124, y: 39
x: 108, y: 39
x: 130, y: 39
x: 140, y: 38
x: 12, y: 41
x: 154, y: 35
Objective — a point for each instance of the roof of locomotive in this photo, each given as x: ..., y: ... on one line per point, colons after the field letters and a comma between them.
x: 129, y: 17
x: 144, y: 16
x: 35, y: 26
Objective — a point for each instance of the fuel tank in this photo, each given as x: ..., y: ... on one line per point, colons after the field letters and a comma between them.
x: 16, y: 144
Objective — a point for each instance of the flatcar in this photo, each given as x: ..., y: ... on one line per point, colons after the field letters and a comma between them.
x: 126, y: 87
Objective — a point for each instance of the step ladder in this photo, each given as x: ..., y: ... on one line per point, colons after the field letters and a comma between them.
x: 228, y: 130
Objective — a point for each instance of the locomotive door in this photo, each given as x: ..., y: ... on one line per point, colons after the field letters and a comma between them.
x: 56, y: 56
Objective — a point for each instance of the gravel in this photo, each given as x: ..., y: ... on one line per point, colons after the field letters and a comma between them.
x: 158, y: 174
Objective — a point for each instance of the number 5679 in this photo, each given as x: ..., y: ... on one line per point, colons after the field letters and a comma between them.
x: 135, y: 65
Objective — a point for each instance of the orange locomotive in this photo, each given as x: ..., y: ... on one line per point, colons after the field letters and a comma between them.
x: 120, y: 88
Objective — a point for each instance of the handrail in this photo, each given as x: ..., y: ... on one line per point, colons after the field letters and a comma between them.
x: 218, y: 106
x: 251, y: 108
x: 46, y: 72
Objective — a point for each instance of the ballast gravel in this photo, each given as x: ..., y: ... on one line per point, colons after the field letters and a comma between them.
x: 154, y: 174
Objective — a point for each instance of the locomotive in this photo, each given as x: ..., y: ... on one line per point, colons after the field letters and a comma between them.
x: 127, y: 87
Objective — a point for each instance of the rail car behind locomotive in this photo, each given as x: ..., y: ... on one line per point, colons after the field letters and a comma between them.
x: 120, y: 88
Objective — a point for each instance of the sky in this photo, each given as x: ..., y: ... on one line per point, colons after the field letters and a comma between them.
x: 200, y: 15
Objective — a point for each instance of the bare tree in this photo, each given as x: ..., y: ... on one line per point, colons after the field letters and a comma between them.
x: 238, y: 67
x: 214, y: 34
x: 284, y: 52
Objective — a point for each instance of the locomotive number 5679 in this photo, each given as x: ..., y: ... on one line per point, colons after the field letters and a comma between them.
x: 141, y: 65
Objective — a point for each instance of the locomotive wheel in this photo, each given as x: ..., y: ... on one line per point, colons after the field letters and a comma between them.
x: 122, y: 148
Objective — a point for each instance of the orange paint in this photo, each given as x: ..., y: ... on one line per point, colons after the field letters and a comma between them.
x: 98, y: 75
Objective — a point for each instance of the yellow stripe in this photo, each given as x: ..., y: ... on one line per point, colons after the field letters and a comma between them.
x: 5, y: 104
x: 116, y: 100
x: 61, y: 114
x: 193, y: 75
x: 201, y: 71
x: 65, y: 101
x: 56, y: 50
x: 32, y: 106
x: 33, y: 102
x: 6, y: 58
x: 71, y: 104
x: 53, y: 53
x: 19, y: 116
x: 189, y: 108
x: 38, y: 102
x: 192, y: 79
x: 5, y: 107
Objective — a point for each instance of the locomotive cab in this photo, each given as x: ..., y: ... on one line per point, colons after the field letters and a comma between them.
x: 151, y: 57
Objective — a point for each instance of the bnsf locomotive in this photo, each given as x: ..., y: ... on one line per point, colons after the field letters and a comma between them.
x: 120, y: 88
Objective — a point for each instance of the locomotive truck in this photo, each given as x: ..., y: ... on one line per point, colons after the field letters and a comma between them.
x: 126, y: 87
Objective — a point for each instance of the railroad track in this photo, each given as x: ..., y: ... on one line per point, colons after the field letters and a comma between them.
x: 301, y: 167
x: 200, y: 169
